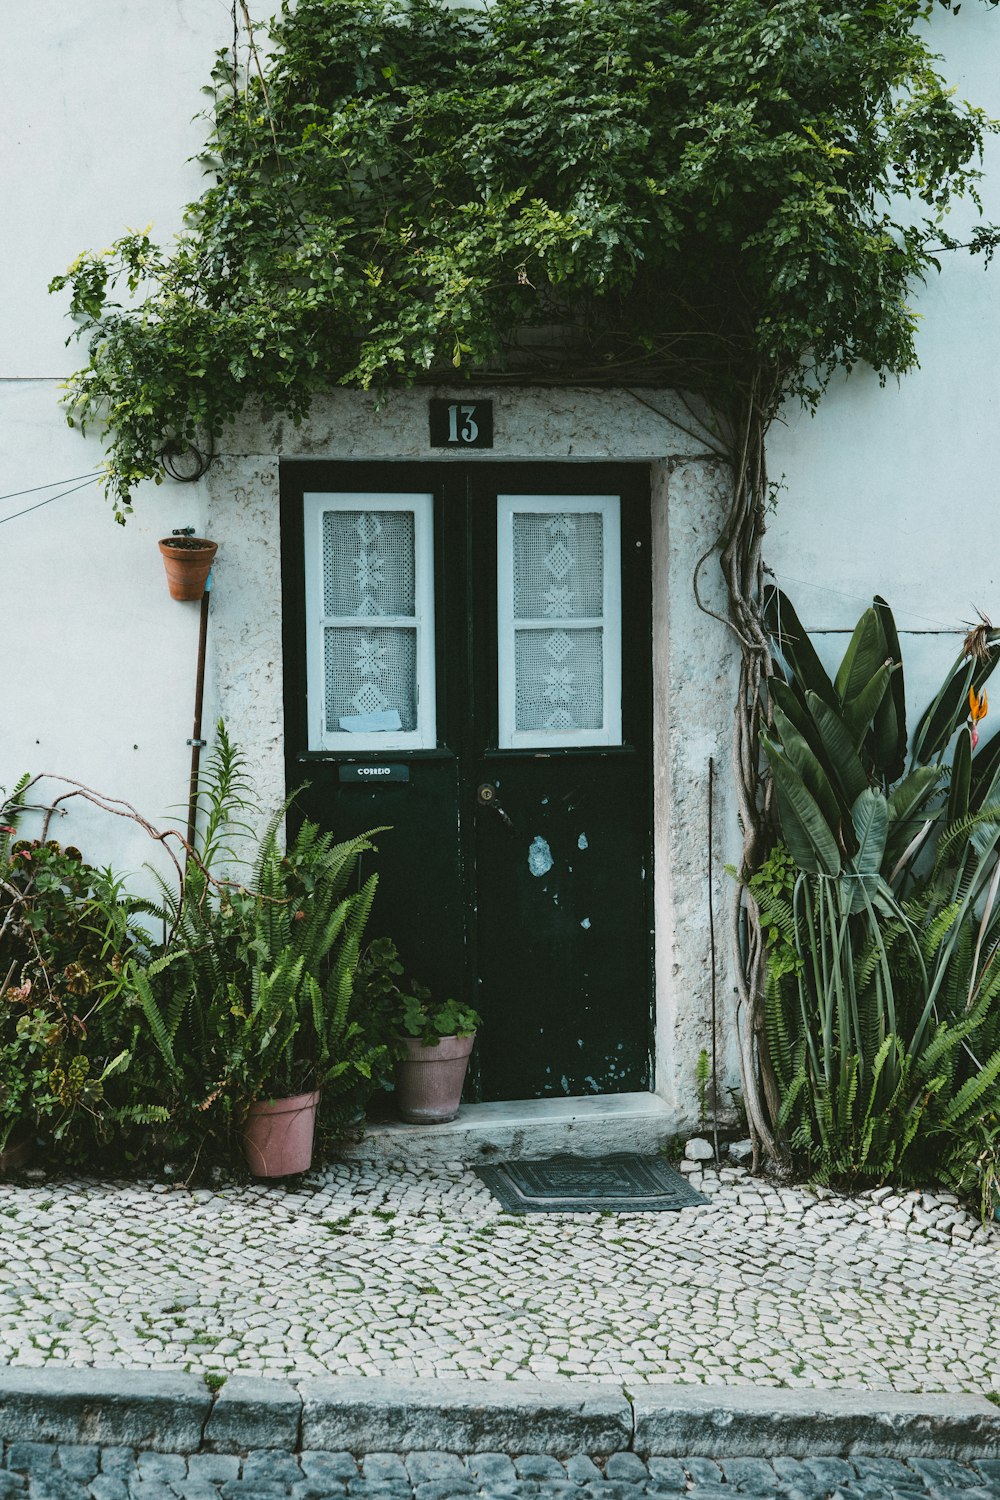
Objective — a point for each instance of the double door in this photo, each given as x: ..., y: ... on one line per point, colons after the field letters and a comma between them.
x: 467, y: 660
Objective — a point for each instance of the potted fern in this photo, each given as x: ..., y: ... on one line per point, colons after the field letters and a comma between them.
x: 292, y: 1032
x: 250, y: 1004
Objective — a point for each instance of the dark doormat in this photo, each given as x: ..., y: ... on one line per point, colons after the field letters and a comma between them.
x: 587, y: 1185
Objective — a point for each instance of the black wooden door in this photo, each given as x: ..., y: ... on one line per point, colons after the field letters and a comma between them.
x: 517, y: 869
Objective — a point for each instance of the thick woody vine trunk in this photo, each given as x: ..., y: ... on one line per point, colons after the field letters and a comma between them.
x: 740, y: 558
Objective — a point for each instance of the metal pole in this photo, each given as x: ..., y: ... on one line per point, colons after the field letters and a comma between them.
x: 711, y: 933
x: 196, y: 742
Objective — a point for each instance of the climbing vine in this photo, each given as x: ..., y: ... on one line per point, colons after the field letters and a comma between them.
x: 732, y: 198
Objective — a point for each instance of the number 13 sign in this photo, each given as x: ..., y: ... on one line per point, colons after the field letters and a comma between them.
x: 461, y: 424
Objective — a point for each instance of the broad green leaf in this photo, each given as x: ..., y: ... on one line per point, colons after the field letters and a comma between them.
x: 870, y: 815
x: 871, y: 824
x: 792, y: 705
x: 909, y: 811
x: 866, y: 652
x: 803, y: 826
x: 961, y: 769
x: 985, y: 777
x: 845, y: 763
x: 910, y: 796
x: 793, y: 643
x: 800, y: 754
x: 861, y: 710
x: 986, y: 830
x: 949, y: 708
x: 889, y: 741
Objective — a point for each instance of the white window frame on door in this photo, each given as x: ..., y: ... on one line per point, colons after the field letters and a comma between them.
x: 610, y: 622
x: 315, y: 506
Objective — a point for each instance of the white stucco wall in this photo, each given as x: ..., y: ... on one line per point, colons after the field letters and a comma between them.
x: 890, y: 490
x: 897, y: 490
x: 96, y: 124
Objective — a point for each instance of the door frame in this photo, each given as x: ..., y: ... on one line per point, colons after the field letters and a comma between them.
x: 463, y: 484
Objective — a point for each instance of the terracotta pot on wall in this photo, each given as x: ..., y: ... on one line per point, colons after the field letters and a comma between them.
x: 429, y: 1079
x: 278, y: 1135
x: 188, y: 562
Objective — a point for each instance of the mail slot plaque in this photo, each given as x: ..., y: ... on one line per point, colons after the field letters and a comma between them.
x: 374, y: 773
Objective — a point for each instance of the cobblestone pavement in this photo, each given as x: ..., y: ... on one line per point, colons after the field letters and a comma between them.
x: 418, y: 1272
x: 39, y: 1471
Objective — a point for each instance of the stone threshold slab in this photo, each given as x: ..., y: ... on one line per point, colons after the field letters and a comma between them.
x: 592, y: 1125
x: 177, y: 1413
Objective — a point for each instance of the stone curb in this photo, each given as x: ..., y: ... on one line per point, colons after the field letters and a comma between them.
x: 252, y: 1411
x: 176, y: 1413
x: 758, y: 1422
x: 362, y: 1413
x: 124, y: 1408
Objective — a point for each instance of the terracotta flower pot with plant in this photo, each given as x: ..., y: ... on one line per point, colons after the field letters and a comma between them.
x: 289, y: 1025
x: 188, y: 562
x: 264, y: 974
x: 434, y: 1040
x: 16, y: 1154
x: 278, y: 1135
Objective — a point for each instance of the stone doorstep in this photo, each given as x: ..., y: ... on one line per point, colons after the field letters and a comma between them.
x: 593, y: 1125
x: 176, y: 1413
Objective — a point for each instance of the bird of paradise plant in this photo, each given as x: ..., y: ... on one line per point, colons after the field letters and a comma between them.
x: 885, y: 1038
x: 978, y: 709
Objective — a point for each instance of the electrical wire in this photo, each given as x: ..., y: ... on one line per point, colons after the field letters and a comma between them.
x: 823, y: 588
x: 29, y: 508
x: 16, y: 494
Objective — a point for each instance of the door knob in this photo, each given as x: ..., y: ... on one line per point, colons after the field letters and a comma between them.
x: 486, y: 796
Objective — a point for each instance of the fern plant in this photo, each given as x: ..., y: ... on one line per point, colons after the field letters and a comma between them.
x: 252, y: 995
x: 290, y: 1026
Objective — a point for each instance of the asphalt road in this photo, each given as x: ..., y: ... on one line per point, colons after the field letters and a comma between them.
x: 43, y: 1471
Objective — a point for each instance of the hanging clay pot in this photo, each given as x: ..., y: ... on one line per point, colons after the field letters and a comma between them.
x: 188, y: 561
x: 278, y: 1135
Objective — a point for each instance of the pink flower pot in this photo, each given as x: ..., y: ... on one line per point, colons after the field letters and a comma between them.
x: 278, y: 1135
x: 429, y: 1079
x: 16, y: 1154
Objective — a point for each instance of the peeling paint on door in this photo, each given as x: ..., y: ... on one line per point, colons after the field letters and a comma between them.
x: 540, y: 859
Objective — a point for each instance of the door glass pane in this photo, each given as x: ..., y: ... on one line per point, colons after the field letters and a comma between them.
x: 371, y: 679
x: 368, y: 562
x: 559, y: 679
x: 558, y: 565
x: 370, y: 620
x: 558, y: 621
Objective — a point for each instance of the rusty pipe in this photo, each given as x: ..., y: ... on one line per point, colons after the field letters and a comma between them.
x: 196, y: 742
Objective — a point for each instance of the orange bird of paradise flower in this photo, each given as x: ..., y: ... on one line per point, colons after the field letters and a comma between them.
x: 978, y: 708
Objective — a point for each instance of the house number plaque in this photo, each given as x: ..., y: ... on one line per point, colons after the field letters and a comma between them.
x: 461, y: 424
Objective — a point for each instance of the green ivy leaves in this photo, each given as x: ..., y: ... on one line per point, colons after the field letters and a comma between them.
x: 697, y: 196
